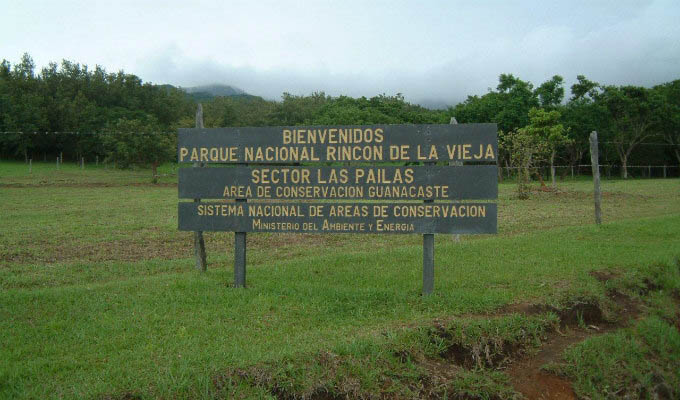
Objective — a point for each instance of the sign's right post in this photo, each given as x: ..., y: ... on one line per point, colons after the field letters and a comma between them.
x: 428, y: 256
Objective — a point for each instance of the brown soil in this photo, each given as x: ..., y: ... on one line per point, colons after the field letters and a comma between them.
x: 149, y: 245
x: 604, y: 275
x: 578, y: 322
x: 531, y: 381
x: 526, y: 374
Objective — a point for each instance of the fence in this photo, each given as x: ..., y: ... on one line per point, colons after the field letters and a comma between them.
x: 78, y: 147
x: 607, y: 171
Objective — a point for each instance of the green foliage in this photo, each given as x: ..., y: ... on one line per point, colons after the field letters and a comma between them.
x: 527, y: 146
x: 584, y: 88
x: 545, y: 125
x: 508, y: 106
x: 551, y: 93
x: 669, y: 115
x: 523, y: 150
x: 137, y: 142
x: 71, y: 97
x: 632, y: 114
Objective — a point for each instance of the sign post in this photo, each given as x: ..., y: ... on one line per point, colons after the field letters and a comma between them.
x: 240, y: 256
x: 428, y: 257
x: 278, y: 167
x: 199, y: 242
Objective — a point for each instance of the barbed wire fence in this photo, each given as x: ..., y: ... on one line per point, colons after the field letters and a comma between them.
x: 59, y: 147
x: 608, y: 171
x: 56, y: 156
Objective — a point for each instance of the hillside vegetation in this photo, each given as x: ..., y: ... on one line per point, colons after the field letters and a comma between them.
x: 75, y: 111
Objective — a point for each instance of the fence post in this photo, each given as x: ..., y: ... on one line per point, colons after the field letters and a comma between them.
x: 572, y: 172
x: 30, y: 166
x: 596, y: 177
x: 82, y: 162
x: 96, y: 162
x: 649, y: 173
x: 664, y: 171
x: 199, y: 242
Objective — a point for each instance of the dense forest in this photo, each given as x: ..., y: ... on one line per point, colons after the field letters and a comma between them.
x: 72, y: 110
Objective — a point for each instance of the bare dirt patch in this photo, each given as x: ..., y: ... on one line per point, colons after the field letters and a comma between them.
x: 605, y: 275
x: 151, y: 244
x: 517, y: 357
x: 577, y: 323
x: 529, y: 379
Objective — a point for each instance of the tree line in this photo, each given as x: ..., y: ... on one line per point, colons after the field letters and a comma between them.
x: 70, y: 108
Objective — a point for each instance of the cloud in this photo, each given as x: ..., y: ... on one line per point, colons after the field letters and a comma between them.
x: 437, y: 50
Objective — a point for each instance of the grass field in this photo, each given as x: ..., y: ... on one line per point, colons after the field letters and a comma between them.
x: 99, y: 298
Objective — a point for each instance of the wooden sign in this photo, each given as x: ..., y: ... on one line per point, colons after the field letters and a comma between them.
x: 329, y: 144
x: 465, y: 218
x: 370, y: 183
x: 278, y: 163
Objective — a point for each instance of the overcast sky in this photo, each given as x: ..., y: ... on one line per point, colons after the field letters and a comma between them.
x: 427, y: 50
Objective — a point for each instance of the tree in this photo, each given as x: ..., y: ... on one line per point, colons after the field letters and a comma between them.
x: 551, y: 93
x: 140, y: 142
x: 584, y: 88
x: 545, y: 126
x: 581, y: 115
x: 525, y: 150
x: 669, y: 115
x: 515, y: 98
x: 508, y: 107
x: 632, y: 113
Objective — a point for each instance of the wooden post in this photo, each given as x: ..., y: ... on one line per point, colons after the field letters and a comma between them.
x: 596, y: 177
x: 572, y: 172
x: 649, y: 172
x: 82, y: 162
x: 96, y: 162
x: 240, y: 256
x: 664, y: 171
x: 428, y: 257
x: 199, y: 242
x: 57, y: 163
x: 30, y: 166
x: 456, y: 237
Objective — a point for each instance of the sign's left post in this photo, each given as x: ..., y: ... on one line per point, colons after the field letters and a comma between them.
x: 199, y: 242
x: 240, y: 256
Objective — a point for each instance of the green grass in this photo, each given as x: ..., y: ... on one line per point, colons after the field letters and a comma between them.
x: 70, y: 173
x: 640, y: 361
x: 98, y: 295
x: 406, y: 363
